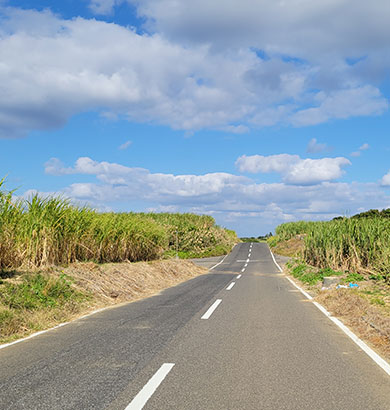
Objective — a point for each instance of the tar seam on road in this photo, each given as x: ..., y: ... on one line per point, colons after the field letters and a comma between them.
x: 211, y: 309
x: 150, y: 387
x: 230, y: 286
x: 373, y: 355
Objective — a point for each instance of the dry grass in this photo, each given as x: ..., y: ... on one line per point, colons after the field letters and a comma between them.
x: 293, y: 247
x: 95, y: 286
x: 369, y: 322
x: 113, y: 283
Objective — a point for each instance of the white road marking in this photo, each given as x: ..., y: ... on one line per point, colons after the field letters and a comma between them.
x: 218, y: 263
x: 231, y: 285
x: 239, y: 276
x: 211, y: 309
x: 373, y: 355
x: 273, y: 258
x: 247, y: 260
x: 150, y: 387
x: 243, y: 270
x: 245, y: 265
x: 249, y: 255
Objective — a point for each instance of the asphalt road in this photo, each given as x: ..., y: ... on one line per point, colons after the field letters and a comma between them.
x: 263, y: 347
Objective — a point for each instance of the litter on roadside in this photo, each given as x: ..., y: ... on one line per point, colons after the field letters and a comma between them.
x: 350, y: 285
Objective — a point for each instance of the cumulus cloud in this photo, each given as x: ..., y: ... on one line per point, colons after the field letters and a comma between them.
x: 294, y: 170
x: 133, y: 181
x: 386, y: 180
x: 299, y: 28
x: 53, y: 68
x: 234, y: 200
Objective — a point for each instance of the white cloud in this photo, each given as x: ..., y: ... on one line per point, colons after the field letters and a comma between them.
x: 386, y: 180
x: 125, y: 145
x: 314, y: 171
x: 314, y: 147
x: 135, y: 180
x: 294, y: 169
x: 357, y: 101
x: 103, y: 6
x: 53, y: 68
x: 358, y: 153
x: 300, y: 28
x: 235, y: 201
x: 254, y: 164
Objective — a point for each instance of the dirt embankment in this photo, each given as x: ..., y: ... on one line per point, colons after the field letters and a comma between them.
x: 34, y: 301
x: 114, y: 283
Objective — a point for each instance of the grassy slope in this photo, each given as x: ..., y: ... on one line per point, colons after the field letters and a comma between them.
x: 32, y: 301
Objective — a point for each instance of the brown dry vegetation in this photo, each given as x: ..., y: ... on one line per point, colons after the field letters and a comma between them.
x: 369, y: 322
x: 292, y: 247
x: 114, y: 283
x: 94, y: 286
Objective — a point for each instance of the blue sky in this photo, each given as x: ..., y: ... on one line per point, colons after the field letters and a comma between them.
x: 254, y: 114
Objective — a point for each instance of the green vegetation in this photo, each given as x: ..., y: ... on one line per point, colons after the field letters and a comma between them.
x: 261, y: 238
x: 51, y: 231
x: 307, y: 274
x: 374, y: 213
x: 37, y: 292
x: 37, y: 301
x: 359, y: 245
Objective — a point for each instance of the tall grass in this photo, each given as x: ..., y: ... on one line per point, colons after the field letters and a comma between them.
x: 51, y: 231
x: 360, y: 245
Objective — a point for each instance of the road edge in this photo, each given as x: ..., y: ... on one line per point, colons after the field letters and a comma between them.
x: 382, y: 363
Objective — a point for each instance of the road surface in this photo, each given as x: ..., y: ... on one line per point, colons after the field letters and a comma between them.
x: 241, y: 337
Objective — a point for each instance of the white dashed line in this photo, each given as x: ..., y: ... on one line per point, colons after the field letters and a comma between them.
x: 243, y: 270
x: 247, y: 260
x: 150, y: 387
x: 238, y: 276
x: 211, y: 309
x: 231, y: 285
